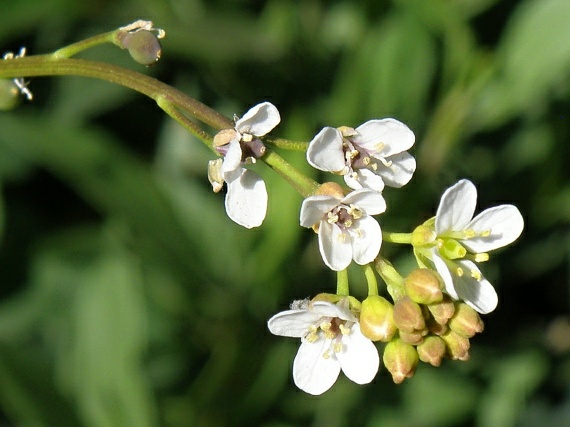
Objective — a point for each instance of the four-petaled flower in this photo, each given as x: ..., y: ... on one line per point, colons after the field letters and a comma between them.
x: 454, y: 240
x: 246, y: 200
x: 330, y: 341
x: 346, y: 230
x: 369, y: 156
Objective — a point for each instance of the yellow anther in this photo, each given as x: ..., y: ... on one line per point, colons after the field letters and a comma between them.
x: 380, y: 146
x: 311, y: 337
x: 247, y: 137
x: 459, y: 271
x: 330, y: 334
x: 476, y: 275
x: 486, y: 233
x: 325, y: 326
x: 326, y: 355
x: 354, y: 212
x: 469, y: 233
x: 373, y: 166
x: 354, y: 153
x: 482, y: 257
x: 366, y: 160
x: 337, y: 347
x: 332, y: 218
x: 344, y: 330
x: 341, y: 237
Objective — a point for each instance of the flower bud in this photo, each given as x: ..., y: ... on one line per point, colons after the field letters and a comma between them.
x: 424, y: 286
x: 431, y: 350
x: 143, y: 45
x: 413, y: 338
x: 457, y: 346
x: 215, y: 175
x: 443, y: 310
x: 9, y: 95
x: 465, y: 321
x: 423, y: 235
x: 400, y: 359
x: 377, y: 319
x: 408, y: 315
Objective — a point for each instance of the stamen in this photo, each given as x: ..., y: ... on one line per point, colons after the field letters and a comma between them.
x: 486, y: 233
x: 247, y: 137
x: 341, y: 237
x: 337, y: 347
x: 326, y: 355
x: 332, y: 218
x: 343, y: 329
x: 476, y: 275
x: 459, y: 272
x: 482, y: 257
x: 348, y: 223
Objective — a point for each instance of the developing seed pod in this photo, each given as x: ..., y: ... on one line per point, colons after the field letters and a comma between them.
x: 143, y: 45
x: 9, y: 95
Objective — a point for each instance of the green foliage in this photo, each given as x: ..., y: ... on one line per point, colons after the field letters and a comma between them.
x: 129, y: 298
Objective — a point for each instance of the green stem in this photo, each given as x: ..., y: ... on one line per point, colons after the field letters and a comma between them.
x: 394, y: 281
x: 47, y: 65
x: 371, y: 280
x: 342, y: 282
x: 75, y: 48
x: 403, y: 238
x: 302, y: 183
x: 286, y: 144
x: 188, y: 124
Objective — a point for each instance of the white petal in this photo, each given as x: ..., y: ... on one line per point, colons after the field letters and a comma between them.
x: 314, y: 208
x: 390, y: 135
x: 259, y: 120
x: 505, y: 224
x: 365, y: 178
x: 369, y: 201
x: 445, y: 274
x: 232, y: 159
x: 325, y: 151
x: 456, y: 207
x: 328, y: 309
x: 359, y: 359
x: 400, y: 171
x: 246, y: 201
x: 335, y: 246
x: 312, y: 372
x: 479, y: 294
x: 292, y: 323
x: 366, y: 241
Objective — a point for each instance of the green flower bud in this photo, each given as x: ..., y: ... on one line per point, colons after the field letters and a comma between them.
x: 9, y: 95
x: 466, y: 321
x: 457, y: 346
x: 443, y: 310
x: 413, y: 338
x: 400, y: 359
x: 424, y: 286
x: 143, y: 45
x: 408, y: 315
x: 423, y: 235
x: 377, y: 319
x: 431, y: 350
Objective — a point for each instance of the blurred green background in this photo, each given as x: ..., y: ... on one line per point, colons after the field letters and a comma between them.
x: 128, y: 298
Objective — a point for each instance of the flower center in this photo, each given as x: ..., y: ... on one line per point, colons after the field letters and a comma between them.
x: 332, y: 329
x: 344, y: 216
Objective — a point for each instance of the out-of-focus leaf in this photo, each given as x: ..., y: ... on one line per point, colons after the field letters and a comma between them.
x: 533, y: 57
x: 103, y: 366
x: 514, y: 378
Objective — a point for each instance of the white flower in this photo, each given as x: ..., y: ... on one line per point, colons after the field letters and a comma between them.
x: 246, y: 201
x: 459, y: 239
x: 330, y: 341
x: 346, y: 230
x: 369, y: 156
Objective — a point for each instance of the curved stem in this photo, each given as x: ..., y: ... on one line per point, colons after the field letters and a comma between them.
x: 286, y: 144
x: 371, y: 280
x: 47, y: 65
x: 394, y: 281
x: 302, y: 183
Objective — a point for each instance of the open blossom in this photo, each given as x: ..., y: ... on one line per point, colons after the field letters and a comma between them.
x: 331, y: 341
x: 246, y: 200
x: 372, y: 155
x: 346, y: 230
x: 456, y: 241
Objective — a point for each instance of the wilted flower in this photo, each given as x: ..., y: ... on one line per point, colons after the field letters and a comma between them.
x: 369, y: 156
x: 246, y: 201
x: 331, y: 341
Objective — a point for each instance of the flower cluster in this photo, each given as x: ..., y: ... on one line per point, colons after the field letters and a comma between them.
x: 435, y: 310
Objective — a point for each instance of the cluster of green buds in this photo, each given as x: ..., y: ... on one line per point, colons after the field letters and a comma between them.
x: 422, y: 324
